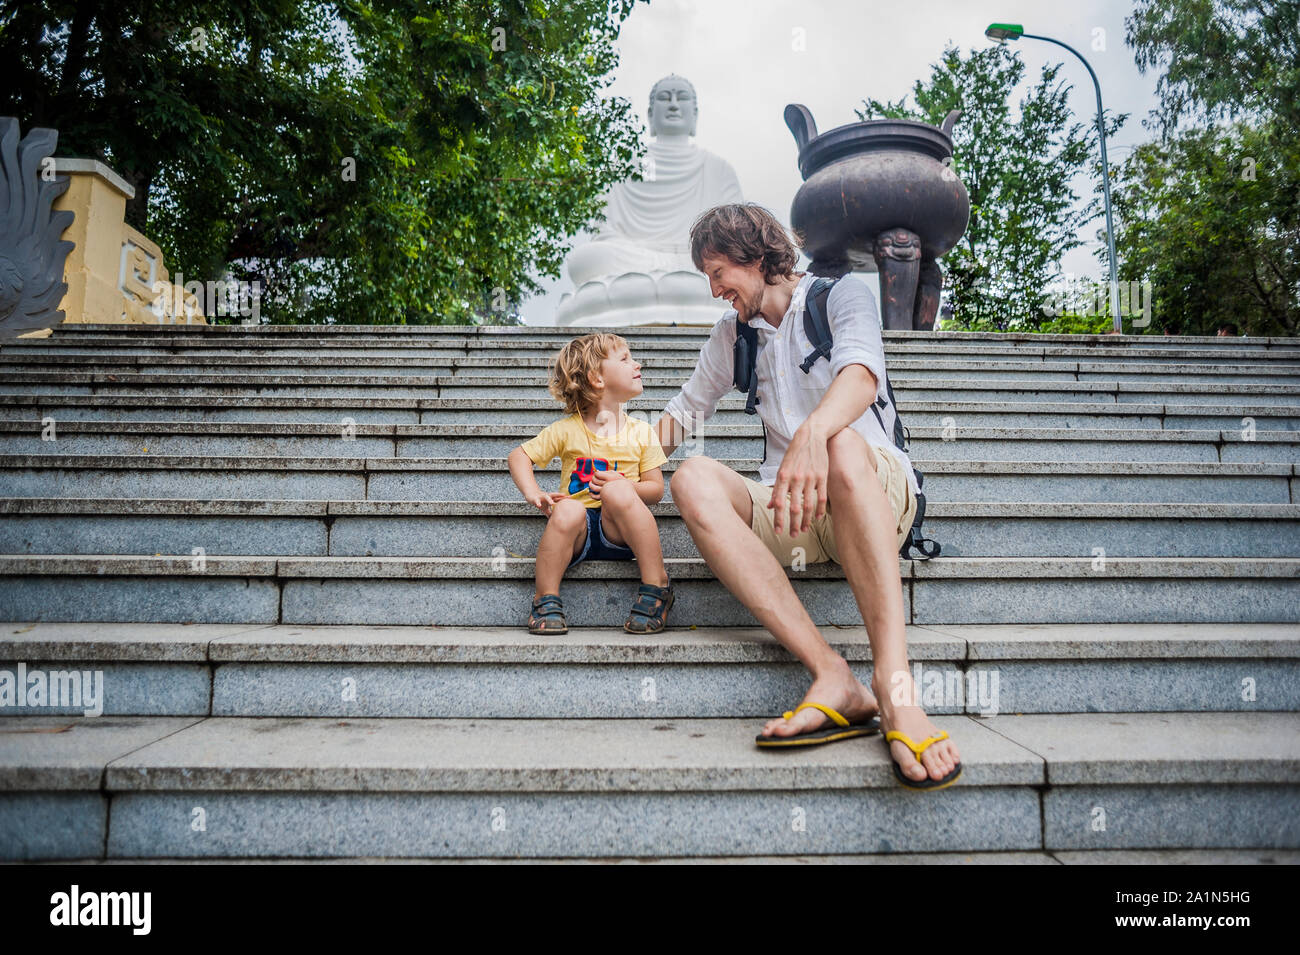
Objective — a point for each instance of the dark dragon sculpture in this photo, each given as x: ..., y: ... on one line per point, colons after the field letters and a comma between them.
x: 32, y: 255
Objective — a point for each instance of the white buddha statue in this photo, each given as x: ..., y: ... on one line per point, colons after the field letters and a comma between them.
x: 637, y: 269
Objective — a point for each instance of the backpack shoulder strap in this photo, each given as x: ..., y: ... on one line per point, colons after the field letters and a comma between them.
x: 900, y: 435
x: 816, y: 324
x: 745, y: 359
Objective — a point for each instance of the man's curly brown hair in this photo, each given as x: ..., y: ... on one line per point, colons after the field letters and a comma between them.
x: 572, y: 368
x: 744, y: 233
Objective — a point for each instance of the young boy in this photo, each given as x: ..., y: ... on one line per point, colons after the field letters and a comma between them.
x: 611, y: 474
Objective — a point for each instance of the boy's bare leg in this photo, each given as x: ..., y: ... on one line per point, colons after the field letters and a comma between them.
x: 866, y: 546
x: 565, y: 531
x: 628, y: 521
x: 717, y: 508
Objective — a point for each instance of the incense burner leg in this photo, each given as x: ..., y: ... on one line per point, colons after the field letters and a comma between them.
x: 898, y: 257
x: 927, y: 296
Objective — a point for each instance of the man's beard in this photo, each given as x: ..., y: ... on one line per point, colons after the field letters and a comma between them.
x: 745, y: 309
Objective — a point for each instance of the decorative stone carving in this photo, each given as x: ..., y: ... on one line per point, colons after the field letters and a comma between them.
x: 32, y: 255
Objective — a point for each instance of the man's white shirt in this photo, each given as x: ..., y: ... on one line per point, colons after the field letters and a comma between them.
x: 787, y: 396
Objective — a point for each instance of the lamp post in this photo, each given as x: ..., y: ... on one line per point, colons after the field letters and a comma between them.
x: 1014, y: 31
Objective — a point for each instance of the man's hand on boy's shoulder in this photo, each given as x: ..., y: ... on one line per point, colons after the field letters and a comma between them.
x: 544, y: 501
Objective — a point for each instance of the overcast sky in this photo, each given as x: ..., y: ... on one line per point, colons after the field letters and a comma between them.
x: 740, y: 56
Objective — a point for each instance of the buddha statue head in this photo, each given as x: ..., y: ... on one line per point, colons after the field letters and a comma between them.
x: 673, y: 107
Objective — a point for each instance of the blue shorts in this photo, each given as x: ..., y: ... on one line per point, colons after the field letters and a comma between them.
x: 597, y: 546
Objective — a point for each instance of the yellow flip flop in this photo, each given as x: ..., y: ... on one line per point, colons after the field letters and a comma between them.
x: 907, y: 741
x: 841, y: 728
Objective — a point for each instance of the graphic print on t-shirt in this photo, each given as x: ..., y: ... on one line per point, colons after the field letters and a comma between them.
x: 633, y: 452
x: 583, y: 468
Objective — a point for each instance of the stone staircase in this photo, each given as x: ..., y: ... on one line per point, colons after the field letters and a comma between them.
x: 295, y: 562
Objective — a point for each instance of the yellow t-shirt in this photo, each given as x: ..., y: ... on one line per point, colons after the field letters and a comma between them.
x: 633, y: 451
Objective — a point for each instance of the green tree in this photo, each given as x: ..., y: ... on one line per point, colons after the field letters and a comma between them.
x: 1202, y: 219
x: 1210, y: 212
x: 1017, y: 166
x: 1220, y: 58
x: 368, y: 160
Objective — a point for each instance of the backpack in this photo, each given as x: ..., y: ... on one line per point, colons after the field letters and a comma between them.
x: 818, y: 330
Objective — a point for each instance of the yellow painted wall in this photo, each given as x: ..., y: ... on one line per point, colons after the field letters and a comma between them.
x: 115, y: 275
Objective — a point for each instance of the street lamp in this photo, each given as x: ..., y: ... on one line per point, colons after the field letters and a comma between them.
x: 1014, y: 31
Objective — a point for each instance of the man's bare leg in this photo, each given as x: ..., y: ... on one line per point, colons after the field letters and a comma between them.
x: 717, y: 509
x: 866, y: 543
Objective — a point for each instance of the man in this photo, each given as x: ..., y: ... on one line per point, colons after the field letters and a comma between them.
x: 833, y: 484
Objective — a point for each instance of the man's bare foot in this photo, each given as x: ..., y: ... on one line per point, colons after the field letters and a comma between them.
x: 841, y: 691
x: 939, y: 759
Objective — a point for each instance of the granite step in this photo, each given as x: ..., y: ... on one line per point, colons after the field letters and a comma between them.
x: 135, y: 347
x: 1149, y: 857
x: 923, y: 367
x: 494, y: 590
x: 80, y: 368
x: 241, y: 787
x: 405, y: 333
x: 255, y: 387
x: 538, y: 412
x: 133, y: 350
x: 244, y: 334
x: 460, y: 479
x: 470, y: 353
x: 358, y: 528
x: 603, y: 673
x: 331, y: 704
x: 309, y: 439
x: 955, y: 391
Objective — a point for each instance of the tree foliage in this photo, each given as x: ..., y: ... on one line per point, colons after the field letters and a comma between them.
x: 1210, y: 212
x: 1209, y: 219
x: 1220, y: 58
x: 367, y: 160
x: 1017, y: 165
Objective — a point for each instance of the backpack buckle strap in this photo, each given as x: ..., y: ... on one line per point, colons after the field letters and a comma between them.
x: 816, y: 353
x: 925, y: 547
x: 752, y: 398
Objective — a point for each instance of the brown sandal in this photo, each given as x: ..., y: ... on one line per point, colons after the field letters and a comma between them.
x: 548, y: 615
x: 650, y: 612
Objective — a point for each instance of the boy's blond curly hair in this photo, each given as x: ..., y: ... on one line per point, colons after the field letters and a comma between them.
x: 572, y: 368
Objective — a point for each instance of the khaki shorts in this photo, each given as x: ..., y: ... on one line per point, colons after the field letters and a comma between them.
x: 818, y: 542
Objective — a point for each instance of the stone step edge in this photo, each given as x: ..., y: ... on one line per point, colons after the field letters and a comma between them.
x: 404, y: 754
x: 903, y: 381
x: 524, y: 431
x: 538, y: 363
x: 960, y: 645
x: 679, y: 568
x: 470, y: 345
x: 74, y: 329
x: 453, y: 386
x: 976, y: 857
x: 288, y: 507
x: 750, y: 466
x: 538, y: 353
x: 729, y: 404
